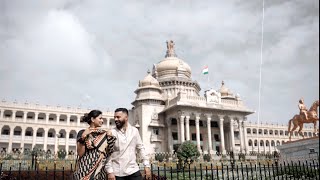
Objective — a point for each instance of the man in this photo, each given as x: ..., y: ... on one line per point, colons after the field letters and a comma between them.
x: 303, y: 108
x: 123, y: 164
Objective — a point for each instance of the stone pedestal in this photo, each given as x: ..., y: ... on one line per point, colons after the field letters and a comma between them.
x: 303, y: 149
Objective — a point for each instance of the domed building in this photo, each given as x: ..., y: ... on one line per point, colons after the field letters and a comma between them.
x: 216, y: 122
x: 168, y: 110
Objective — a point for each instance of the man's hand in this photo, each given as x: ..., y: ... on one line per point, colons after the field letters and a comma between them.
x: 111, y: 176
x: 147, y: 173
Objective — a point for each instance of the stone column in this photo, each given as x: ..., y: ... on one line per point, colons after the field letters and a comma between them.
x: 45, y: 144
x: 270, y: 146
x: 13, y: 115
x: 25, y: 116
x: 241, y: 136
x: 179, y: 130
x: 78, y: 120
x: 223, y: 149
x: 58, y: 118
x: 209, y: 135
x: 56, y: 145
x: 245, y: 137
x: 170, y: 140
x: 68, y: 119
x: 34, y: 137
x: 232, y: 134
x: 1, y: 113
x: 36, y: 116
x: 108, y: 123
x: 182, y: 129
x: 187, y: 128
x: 47, y: 118
x: 198, y: 133
x: 67, y: 141
x: 23, y: 135
x: 10, y: 139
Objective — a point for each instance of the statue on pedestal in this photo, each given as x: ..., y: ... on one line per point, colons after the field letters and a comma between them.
x: 170, y: 49
x: 305, y: 116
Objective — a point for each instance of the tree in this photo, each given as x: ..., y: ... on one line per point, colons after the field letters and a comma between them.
x: 62, y: 154
x: 188, y: 150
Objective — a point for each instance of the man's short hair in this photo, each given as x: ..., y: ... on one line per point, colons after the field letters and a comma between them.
x: 124, y: 110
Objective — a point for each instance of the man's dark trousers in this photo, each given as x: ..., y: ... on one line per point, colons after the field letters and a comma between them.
x: 135, y: 176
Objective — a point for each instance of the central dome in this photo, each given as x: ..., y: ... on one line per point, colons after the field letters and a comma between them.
x: 171, y: 66
x: 173, y: 63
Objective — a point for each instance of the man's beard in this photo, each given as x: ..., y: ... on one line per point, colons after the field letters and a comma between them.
x: 120, y: 124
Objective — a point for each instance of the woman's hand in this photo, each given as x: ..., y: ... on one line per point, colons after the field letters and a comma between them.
x: 109, y: 132
x: 85, y: 133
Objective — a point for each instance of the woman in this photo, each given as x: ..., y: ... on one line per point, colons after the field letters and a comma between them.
x: 94, y: 146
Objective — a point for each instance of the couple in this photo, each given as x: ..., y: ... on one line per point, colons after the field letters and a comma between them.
x: 109, y: 154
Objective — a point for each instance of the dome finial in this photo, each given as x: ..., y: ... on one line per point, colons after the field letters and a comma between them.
x: 148, y: 72
x: 170, y: 49
x: 222, y: 83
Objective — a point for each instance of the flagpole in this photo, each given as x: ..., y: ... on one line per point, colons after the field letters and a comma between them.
x: 208, y: 86
x: 205, y: 71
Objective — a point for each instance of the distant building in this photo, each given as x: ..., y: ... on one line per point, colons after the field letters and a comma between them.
x: 168, y: 110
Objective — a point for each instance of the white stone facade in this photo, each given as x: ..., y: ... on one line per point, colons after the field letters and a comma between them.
x: 168, y: 110
x: 24, y: 126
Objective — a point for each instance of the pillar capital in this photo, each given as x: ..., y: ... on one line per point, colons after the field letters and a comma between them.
x: 181, y: 113
x: 244, y: 122
x: 221, y: 116
x: 221, y: 120
x: 234, y: 117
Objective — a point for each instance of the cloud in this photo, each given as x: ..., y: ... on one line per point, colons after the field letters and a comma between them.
x: 59, y: 52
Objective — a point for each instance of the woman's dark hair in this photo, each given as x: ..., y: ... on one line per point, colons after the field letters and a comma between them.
x: 92, y: 114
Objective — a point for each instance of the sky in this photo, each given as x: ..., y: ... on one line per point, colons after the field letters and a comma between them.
x: 92, y: 53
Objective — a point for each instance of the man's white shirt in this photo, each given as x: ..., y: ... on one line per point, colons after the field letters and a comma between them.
x: 123, y: 160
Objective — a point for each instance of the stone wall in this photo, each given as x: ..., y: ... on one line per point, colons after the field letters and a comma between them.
x: 302, y: 149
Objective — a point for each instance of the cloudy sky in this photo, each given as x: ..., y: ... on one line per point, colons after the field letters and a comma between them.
x: 92, y: 53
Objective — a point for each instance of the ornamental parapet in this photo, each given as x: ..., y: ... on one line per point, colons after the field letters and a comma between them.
x: 225, y: 104
x: 36, y: 106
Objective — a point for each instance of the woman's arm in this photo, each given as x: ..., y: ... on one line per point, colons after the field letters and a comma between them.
x: 81, y: 149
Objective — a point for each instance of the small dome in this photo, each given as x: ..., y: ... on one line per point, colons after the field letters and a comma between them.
x: 224, y: 90
x: 149, y: 81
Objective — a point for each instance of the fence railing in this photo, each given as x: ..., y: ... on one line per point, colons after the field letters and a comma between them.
x: 181, y: 170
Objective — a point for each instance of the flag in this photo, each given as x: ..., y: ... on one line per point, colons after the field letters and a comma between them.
x: 205, y: 70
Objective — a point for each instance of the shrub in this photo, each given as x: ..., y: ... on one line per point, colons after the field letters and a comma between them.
x: 188, y: 150
x: 159, y: 157
x: 62, y: 154
x: 207, y: 157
